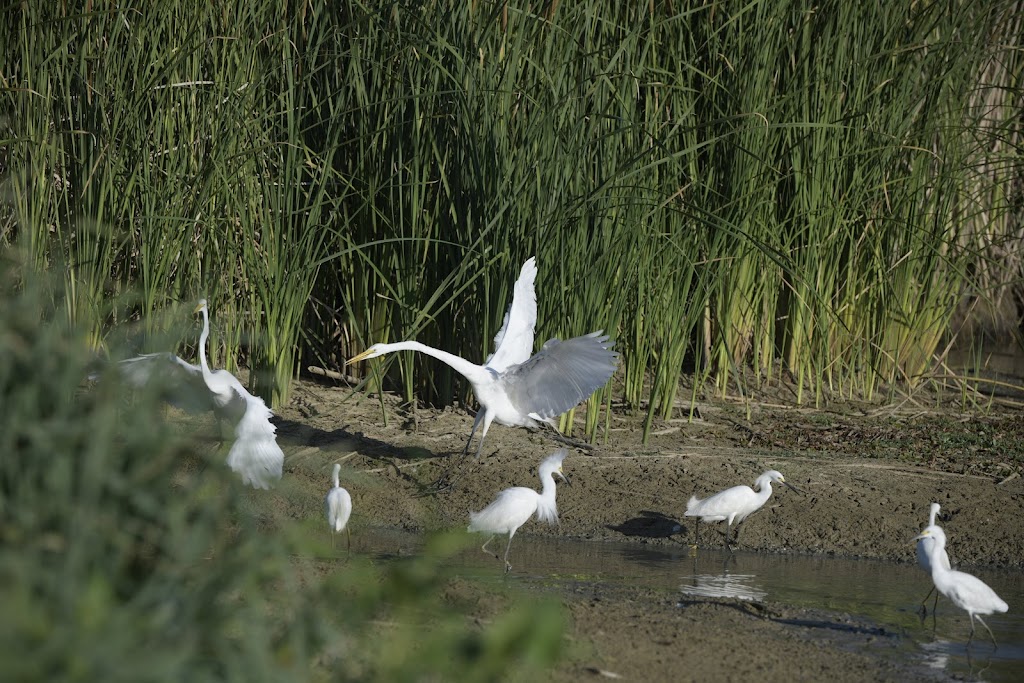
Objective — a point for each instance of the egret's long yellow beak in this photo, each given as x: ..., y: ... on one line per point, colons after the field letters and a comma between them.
x: 362, y: 356
x: 199, y: 307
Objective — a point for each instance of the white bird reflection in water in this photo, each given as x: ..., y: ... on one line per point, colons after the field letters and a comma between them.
x: 936, y: 654
x: 949, y: 657
x: 725, y: 585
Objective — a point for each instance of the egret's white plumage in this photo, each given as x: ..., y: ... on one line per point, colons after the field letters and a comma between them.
x: 515, y: 386
x: 514, y: 506
x: 339, y: 505
x: 967, y: 592
x: 254, y: 454
x: 924, y: 551
x: 735, y: 504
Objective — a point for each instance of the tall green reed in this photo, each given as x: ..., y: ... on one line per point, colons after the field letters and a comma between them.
x: 802, y: 190
x: 175, y: 147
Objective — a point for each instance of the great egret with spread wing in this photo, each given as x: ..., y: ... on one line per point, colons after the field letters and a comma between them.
x: 254, y: 454
x: 735, y: 504
x: 339, y: 508
x: 967, y: 592
x: 514, y: 506
x: 924, y: 552
x: 516, y: 388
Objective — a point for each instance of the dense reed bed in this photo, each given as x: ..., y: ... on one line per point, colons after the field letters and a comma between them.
x: 742, y: 191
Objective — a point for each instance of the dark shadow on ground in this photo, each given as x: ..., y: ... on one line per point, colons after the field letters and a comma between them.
x: 650, y: 524
x: 303, y: 434
x: 812, y: 619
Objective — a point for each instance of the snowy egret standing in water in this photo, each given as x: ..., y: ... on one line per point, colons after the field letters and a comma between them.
x: 924, y: 551
x: 514, y: 387
x: 967, y: 592
x: 254, y: 454
x: 734, y: 504
x: 339, y: 508
x: 514, y: 506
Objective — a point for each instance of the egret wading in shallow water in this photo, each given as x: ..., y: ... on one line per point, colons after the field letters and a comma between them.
x: 254, y: 454
x: 516, y: 388
x: 514, y: 506
x: 735, y: 504
x: 339, y: 508
x: 924, y: 552
x: 967, y: 592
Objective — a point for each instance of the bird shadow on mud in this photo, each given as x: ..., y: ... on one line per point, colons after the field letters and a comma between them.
x: 806, y: 618
x: 293, y: 433
x: 302, y: 434
x: 649, y: 524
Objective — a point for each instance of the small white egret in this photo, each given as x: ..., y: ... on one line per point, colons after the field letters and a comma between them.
x: 255, y: 454
x: 514, y: 387
x: 339, y: 508
x: 514, y: 506
x: 967, y: 592
x: 735, y: 504
x: 924, y: 551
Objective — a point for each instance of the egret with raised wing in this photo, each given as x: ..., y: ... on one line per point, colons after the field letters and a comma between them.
x: 516, y: 388
x: 254, y: 454
x: 967, y: 592
x: 735, y: 504
x: 514, y: 506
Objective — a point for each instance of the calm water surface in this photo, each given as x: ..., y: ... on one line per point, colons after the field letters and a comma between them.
x: 884, y: 593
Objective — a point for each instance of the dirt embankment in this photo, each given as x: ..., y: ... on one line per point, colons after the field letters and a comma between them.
x: 867, y: 478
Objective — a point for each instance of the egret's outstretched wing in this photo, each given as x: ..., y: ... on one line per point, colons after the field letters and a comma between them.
x: 514, y: 342
x: 561, y: 375
x: 255, y: 454
x: 177, y: 381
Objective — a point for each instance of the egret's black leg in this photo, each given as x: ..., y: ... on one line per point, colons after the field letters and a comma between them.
x: 990, y: 634
x: 508, y: 548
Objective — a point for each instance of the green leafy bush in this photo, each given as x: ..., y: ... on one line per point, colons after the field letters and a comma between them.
x: 128, y: 554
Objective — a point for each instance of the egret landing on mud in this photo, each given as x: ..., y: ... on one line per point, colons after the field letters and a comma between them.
x: 516, y: 388
x: 735, y: 504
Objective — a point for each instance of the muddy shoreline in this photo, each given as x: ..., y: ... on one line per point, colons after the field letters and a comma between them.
x: 867, y: 475
x: 865, y: 495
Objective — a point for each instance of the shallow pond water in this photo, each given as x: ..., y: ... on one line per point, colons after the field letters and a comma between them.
x: 883, y: 593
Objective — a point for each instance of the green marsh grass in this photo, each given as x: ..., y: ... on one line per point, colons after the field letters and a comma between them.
x: 805, y: 191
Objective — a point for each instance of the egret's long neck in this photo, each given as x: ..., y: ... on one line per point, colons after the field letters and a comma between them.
x: 548, y: 486
x: 471, y: 371
x: 764, y: 491
x: 202, y: 343
x: 336, y: 471
x: 939, y: 570
x: 931, y: 515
